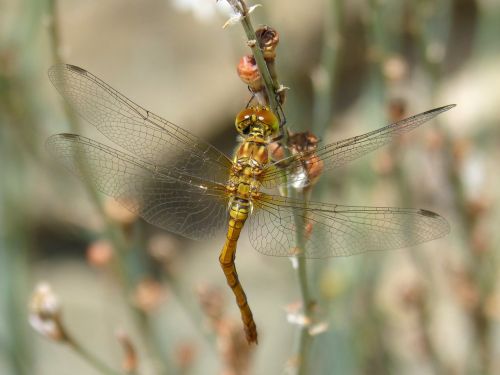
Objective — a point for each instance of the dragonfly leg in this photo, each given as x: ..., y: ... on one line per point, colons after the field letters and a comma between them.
x: 226, y: 260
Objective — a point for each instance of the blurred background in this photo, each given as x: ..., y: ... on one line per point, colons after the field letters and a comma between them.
x: 129, y: 292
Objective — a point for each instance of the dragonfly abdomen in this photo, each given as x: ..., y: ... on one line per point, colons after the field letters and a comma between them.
x: 238, y: 213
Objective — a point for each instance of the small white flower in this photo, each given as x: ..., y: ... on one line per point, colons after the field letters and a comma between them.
x: 45, y: 313
x: 298, y: 319
x: 203, y: 10
x: 318, y: 328
x: 295, y: 315
x: 44, y: 300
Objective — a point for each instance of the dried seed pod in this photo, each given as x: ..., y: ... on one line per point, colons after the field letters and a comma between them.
x: 249, y: 73
x: 313, y: 166
x: 303, y: 142
x: 130, y: 360
x: 268, y: 39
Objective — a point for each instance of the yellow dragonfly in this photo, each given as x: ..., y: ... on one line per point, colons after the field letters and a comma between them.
x: 178, y: 182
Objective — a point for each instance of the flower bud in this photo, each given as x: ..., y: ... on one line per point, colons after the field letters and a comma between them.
x: 249, y: 73
x: 100, y: 253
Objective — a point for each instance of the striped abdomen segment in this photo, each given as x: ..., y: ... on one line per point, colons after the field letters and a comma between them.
x: 238, y: 215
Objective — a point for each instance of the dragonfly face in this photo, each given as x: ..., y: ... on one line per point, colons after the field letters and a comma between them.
x: 257, y: 120
x: 178, y: 182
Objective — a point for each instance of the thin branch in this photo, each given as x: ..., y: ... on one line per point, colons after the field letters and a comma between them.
x: 90, y: 358
x: 271, y: 87
x: 241, y: 9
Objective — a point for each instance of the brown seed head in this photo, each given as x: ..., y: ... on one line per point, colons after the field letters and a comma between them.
x: 307, y: 143
x: 130, y: 359
x: 302, y: 141
x: 268, y: 39
x: 314, y: 168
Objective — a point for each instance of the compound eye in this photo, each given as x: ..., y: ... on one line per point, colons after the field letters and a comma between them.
x: 265, y: 115
x: 244, y: 115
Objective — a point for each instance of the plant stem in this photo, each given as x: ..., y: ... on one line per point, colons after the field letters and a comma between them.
x: 112, y: 231
x: 90, y: 358
x: 305, y: 338
x: 270, y: 87
x: 268, y: 81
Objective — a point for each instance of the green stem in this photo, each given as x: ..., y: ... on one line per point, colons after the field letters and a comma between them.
x: 305, y: 338
x: 270, y: 87
x: 90, y: 358
x: 325, y: 76
x: 267, y: 78
x: 112, y: 231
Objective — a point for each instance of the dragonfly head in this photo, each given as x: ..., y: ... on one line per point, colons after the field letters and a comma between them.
x: 257, y: 119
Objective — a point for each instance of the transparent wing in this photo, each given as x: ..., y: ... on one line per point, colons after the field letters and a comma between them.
x: 334, y: 230
x: 339, y: 153
x: 191, y: 207
x: 136, y: 129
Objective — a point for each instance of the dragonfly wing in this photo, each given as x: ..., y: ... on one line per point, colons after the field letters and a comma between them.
x: 180, y: 204
x: 136, y: 129
x: 334, y: 230
x: 339, y: 153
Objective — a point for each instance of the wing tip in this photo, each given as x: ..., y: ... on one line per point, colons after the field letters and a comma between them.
x: 76, y: 69
x: 428, y: 213
x: 50, y: 141
x: 57, y: 68
x: 438, y: 222
x: 442, y: 109
x: 447, y: 107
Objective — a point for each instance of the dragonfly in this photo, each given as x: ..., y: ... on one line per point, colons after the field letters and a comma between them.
x: 178, y: 182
